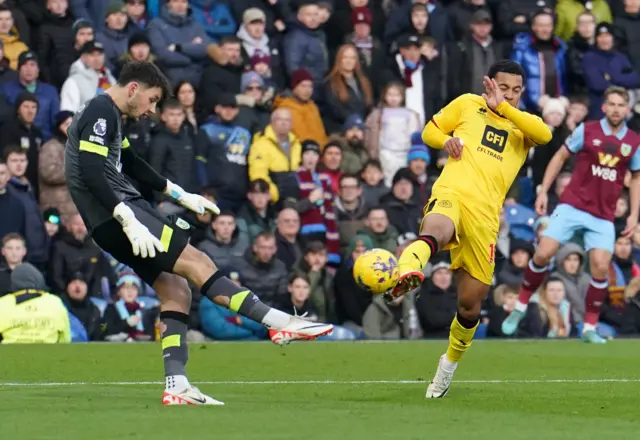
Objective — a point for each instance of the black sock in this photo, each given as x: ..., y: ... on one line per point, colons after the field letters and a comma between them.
x: 466, y: 323
x: 241, y: 299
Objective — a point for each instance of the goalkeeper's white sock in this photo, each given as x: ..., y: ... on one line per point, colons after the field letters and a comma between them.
x: 176, y: 384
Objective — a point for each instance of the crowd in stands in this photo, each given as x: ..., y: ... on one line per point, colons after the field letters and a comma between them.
x: 302, y: 120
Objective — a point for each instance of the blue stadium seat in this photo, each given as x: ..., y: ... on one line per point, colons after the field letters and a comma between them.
x: 521, y: 220
x: 101, y: 304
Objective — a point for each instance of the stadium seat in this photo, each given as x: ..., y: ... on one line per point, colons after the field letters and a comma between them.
x: 521, y: 220
x: 101, y: 304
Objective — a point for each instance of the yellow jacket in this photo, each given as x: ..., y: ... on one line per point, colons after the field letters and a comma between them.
x: 268, y: 161
x: 306, y: 121
x: 13, y: 47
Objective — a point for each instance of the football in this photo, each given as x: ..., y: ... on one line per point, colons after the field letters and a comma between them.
x: 376, y: 271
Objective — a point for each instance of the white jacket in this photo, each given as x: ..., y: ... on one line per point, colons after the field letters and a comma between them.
x: 80, y: 86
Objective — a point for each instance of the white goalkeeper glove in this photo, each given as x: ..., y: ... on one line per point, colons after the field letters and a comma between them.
x: 144, y: 243
x: 193, y: 202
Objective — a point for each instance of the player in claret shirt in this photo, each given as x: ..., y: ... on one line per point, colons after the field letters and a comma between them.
x: 605, y: 151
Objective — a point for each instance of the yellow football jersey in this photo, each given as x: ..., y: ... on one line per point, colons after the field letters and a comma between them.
x: 493, y: 152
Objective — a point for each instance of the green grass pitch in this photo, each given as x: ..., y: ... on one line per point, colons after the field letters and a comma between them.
x: 336, y: 391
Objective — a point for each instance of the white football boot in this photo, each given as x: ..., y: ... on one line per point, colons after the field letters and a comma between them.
x: 439, y: 386
x: 190, y: 396
x: 299, y: 329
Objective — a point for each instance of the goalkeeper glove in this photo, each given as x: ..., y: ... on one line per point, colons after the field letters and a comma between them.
x: 144, y: 243
x: 193, y: 202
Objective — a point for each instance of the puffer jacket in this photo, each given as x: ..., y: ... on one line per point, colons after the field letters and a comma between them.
x: 13, y: 47
x: 115, y: 43
x: 224, y: 253
x: 629, y: 25
x: 567, y: 13
x: 576, y: 48
x: 305, y: 117
x: 305, y: 48
x: 267, y: 280
x: 81, y: 86
x: 575, y: 285
x: 55, y: 48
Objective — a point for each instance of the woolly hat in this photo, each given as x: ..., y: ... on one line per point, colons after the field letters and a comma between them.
x: 554, y: 105
x: 418, y: 149
x: 249, y: 78
x: 298, y: 76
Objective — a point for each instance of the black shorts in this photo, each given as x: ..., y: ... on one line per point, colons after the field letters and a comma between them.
x: 172, y: 231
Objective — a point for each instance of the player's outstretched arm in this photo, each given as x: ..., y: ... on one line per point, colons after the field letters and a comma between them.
x: 530, y: 125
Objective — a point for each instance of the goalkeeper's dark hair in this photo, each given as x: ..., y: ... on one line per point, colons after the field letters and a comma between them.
x: 145, y: 73
x: 507, y: 66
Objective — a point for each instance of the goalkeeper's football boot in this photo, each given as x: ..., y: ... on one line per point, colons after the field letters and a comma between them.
x: 592, y: 337
x: 439, y: 386
x: 511, y: 322
x: 407, y: 282
x: 299, y: 329
x: 190, y: 396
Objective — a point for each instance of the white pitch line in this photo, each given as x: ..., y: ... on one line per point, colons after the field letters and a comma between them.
x: 319, y: 382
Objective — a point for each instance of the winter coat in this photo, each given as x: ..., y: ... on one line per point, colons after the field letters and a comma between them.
x: 387, y: 137
x: 526, y: 53
x: 335, y: 112
x: 115, y: 325
x: 55, y: 48
x: 13, y: 47
x: 576, y: 285
x: 251, y: 223
x: 436, y: 309
x: 404, y: 216
x: 603, y: 69
x: 510, y: 9
x: 5, y: 279
x: 115, y: 43
x: 81, y: 86
x: 576, y: 48
x: 267, y: 280
x: 87, y: 313
x: 373, y: 194
x: 321, y: 293
x: 460, y: 14
x: 273, y: 12
x: 289, y: 253
x: 29, y: 138
x: 510, y: 275
x: 380, y: 321
x: 567, y: 13
x: 386, y: 240
x: 340, y: 23
x: 305, y: 49
x: 92, y: 10
x: 223, y: 253
x: 534, y: 325
x: 353, y: 158
x: 7, y: 74
x: 35, y: 233
x: 222, y: 324
x: 352, y: 301
x: 53, y: 183
x: 48, y: 103
x: 349, y: 222
x: 185, y: 64
x: 17, y: 221
x: 629, y: 26
x: 217, y: 79
x: 268, y: 161
x: 215, y: 17
x: 399, y: 22
x: 305, y: 117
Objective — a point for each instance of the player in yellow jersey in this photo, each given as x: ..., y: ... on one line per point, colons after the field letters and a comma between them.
x: 488, y: 140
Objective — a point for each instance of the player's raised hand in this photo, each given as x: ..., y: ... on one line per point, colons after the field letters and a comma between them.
x: 632, y: 222
x: 493, y: 95
x: 453, y: 146
x: 541, y: 203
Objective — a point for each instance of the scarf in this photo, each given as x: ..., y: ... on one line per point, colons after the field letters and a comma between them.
x: 409, y: 68
x: 251, y: 45
x: 321, y: 219
x: 103, y: 82
x: 127, y: 309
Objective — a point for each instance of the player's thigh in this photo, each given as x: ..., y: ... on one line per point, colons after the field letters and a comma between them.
x: 442, y: 219
x: 599, y: 234
x: 564, y: 223
x: 476, y: 252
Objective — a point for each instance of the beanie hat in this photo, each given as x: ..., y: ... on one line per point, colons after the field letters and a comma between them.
x: 138, y: 38
x: 26, y: 97
x: 260, y: 57
x: 418, y: 149
x: 300, y: 75
x: 361, y: 14
x: 114, y: 7
x: 27, y: 55
x: 80, y: 23
x: 249, y: 78
x: 354, y: 120
x: 61, y: 116
x: 129, y: 278
x: 554, y: 105
x: 402, y: 174
x: 310, y: 145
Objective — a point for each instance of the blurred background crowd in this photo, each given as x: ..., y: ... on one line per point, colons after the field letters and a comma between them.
x: 301, y: 119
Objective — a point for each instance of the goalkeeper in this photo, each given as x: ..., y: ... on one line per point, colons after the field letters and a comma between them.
x: 488, y: 140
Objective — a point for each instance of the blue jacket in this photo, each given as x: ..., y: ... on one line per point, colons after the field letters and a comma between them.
x: 215, y: 17
x: 36, y: 235
x: 218, y: 323
x: 92, y: 10
x: 603, y: 69
x: 12, y: 213
x: 525, y: 53
x: 185, y: 64
x: 48, y: 103
x: 305, y: 48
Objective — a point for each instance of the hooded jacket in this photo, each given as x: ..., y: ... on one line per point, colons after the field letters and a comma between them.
x: 25, y: 276
x: 81, y: 86
x: 224, y: 253
x: 306, y: 122
x: 576, y: 285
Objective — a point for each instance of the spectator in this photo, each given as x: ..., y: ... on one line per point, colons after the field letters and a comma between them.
x: 115, y: 35
x: 275, y: 155
x: 10, y: 202
x: 256, y: 43
x: 261, y: 64
x: 222, y: 75
x: 173, y: 153
x: 87, y: 78
x: 185, y: 92
x: 373, y: 186
x: 382, y: 234
x: 512, y: 272
x: 371, y: 52
x: 51, y: 217
x: 55, y: 42
x: 388, y: 130
x: 571, y: 260
x: 346, y: 91
x: 214, y: 16
x: 460, y: 16
x: 48, y: 101
x: 224, y: 242
x: 421, y: 76
x: 222, y: 161
x: 138, y: 49
x: 179, y: 42
x: 346, y: 18
x: 548, y: 313
x: 419, y: 20
x: 567, y: 13
x: 22, y: 15
x: 384, y: 320
x: 14, y: 250
x: 603, y: 67
x: 262, y: 272
x: 354, y: 153
x: 629, y: 25
x: 82, y: 33
x: 222, y: 324
x: 419, y: 159
x: 504, y: 301
x: 578, y: 111
x: 580, y: 43
x: 200, y: 223
x: 137, y: 12
x: 298, y: 302
x: 513, y: 15
x: 562, y: 181
x: 352, y: 300
x: 350, y: 209
x: 331, y: 162
x: 53, y: 183
x: 256, y: 99
x: 399, y: 21
x: 437, y: 301
x: 404, y: 214
x: 126, y: 320
x: 543, y: 58
x: 23, y: 132
x: 304, y: 44
x: 554, y: 111
x: 257, y: 215
x: 78, y: 302
x: 10, y: 38
x: 6, y: 72
x: 75, y: 252
x: 90, y: 10
x: 314, y: 265
x: 306, y: 120
x: 478, y: 50
x: 287, y: 230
